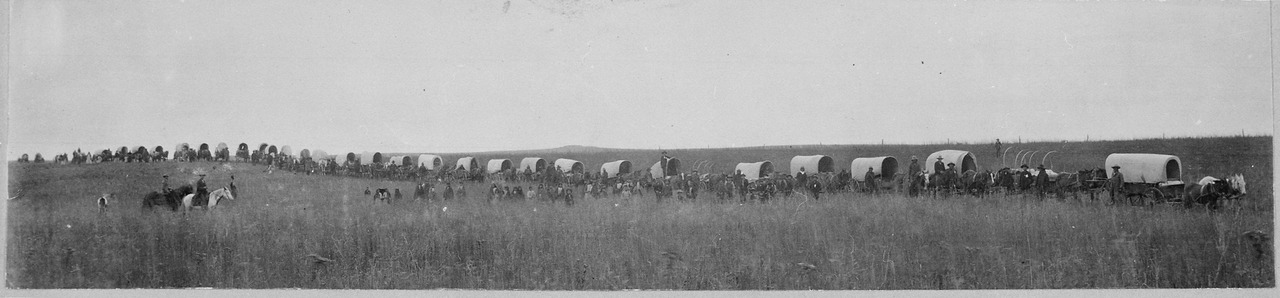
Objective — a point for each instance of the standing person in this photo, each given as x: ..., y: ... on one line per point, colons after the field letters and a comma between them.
x: 1042, y: 182
x: 913, y: 175
x: 448, y: 191
x: 998, y: 148
x: 814, y: 187
x: 802, y: 178
x: 950, y: 177
x: 870, y: 178
x: 1116, y: 183
x: 938, y: 166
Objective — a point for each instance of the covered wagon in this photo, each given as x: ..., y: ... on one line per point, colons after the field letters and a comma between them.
x: 812, y: 164
x: 304, y: 154
x: 885, y: 167
x: 615, y: 168
x: 661, y: 169
x: 498, y: 165
x: 286, y: 150
x: 272, y: 150
x: 1155, y: 177
x: 537, y: 164
x: 569, y: 166
x: 466, y: 163
x: 753, y: 171
x: 429, y: 161
x: 965, y: 161
x: 353, y: 158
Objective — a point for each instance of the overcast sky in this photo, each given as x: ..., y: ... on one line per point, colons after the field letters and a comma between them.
x: 526, y: 74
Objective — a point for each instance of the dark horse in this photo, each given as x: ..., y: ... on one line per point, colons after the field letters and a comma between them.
x: 173, y: 199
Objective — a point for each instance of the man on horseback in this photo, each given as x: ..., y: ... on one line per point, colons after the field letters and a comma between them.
x: 202, y: 190
x: 164, y: 185
x: 938, y: 166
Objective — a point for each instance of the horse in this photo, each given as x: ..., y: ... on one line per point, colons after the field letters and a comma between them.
x: 975, y: 183
x: 1210, y: 191
x: 190, y: 201
x: 172, y: 198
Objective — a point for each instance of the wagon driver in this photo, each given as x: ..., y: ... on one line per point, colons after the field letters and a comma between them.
x: 938, y: 166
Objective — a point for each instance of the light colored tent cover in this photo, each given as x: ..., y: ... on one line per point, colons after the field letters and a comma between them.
x: 430, y: 161
x: 754, y: 170
x: 964, y: 161
x: 497, y: 165
x: 220, y: 147
x: 812, y: 164
x: 879, y: 165
x: 304, y: 153
x: 1146, y: 168
x: 569, y: 166
x: 286, y: 150
x: 396, y: 160
x: 673, y: 167
x: 534, y: 163
x: 615, y: 168
x: 320, y: 154
x: 466, y: 163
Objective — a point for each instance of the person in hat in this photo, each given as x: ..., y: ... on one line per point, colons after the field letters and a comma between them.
x: 202, y: 190
x: 1023, y: 178
x: 938, y: 166
x: 951, y: 176
x: 870, y: 179
x: 1116, y: 183
x: 1042, y: 181
x: 164, y: 185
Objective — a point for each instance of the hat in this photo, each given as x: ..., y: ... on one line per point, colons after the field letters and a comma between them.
x: 1040, y: 166
x: 939, y: 158
x: 1115, y: 167
x: 166, y: 176
x: 951, y: 164
x: 1023, y: 165
x: 913, y: 157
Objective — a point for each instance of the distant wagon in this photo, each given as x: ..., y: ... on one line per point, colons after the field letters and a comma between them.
x: 286, y: 150
x: 1155, y: 177
x: 616, y: 168
x: 569, y: 166
x: 965, y: 161
x: 353, y: 158
x: 813, y: 164
x: 466, y: 163
x: 304, y: 154
x: 319, y: 154
x: 429, y: 161
x: 273, y: 150
x: 159, y: 153
x: 368, y: 158
x: 401, y: 160
x: 672, y: 168
x: 263, y: 148
x: 537, y: 164
x: 498, y: 165
x: 755, y: 170
x: 884, y: 167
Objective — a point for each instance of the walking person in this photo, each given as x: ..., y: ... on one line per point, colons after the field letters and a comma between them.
x: 870, y: 178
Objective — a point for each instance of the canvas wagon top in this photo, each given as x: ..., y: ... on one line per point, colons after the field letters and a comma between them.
x: 1146, y: 168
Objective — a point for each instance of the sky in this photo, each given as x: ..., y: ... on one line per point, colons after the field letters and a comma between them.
x: 463, y: 76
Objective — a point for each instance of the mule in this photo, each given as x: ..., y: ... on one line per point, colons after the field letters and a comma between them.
x: 1210, y: 191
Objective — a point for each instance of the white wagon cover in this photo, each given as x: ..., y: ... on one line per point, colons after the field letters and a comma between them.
x: 754, y: 170
x: 964, y: 161
x: 568, y: 165
x: 615, y: 168
x: 465, y: 163
x: 1146, y: 168
x: 430, y: 161
x: 396, y: 160
x: 532, y: 163
x: 880, y: 165
x: 286, y: 150
x: 812, y: 164
x: 497, y: 165
x: 673, y: 168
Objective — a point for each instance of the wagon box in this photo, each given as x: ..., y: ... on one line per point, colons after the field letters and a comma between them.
x: 533, y: 163
x: 497, y: 165
x: 569, y: 166
x: 429, y: 161
x: 965, y: 161
x: 616, y: 168
x: 466, y: 163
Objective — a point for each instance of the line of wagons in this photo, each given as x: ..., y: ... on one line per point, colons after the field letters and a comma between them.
x: 1147, y: 177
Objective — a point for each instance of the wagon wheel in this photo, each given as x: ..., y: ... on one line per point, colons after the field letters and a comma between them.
x: 1157, y: 197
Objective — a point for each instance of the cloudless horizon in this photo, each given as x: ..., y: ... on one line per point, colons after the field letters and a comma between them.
x: 464, y: 76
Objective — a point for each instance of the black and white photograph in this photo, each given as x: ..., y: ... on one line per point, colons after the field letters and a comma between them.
x: 672, y: 146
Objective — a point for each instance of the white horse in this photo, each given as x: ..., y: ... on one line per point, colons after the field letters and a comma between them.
x: 188, y: 201
x: 1210, y: 191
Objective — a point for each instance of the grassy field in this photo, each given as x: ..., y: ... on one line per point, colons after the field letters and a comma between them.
x: 57, y: 238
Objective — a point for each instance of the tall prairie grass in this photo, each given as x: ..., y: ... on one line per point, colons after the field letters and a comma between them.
x: 58, y: 239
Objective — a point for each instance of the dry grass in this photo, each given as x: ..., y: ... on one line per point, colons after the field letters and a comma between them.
x: 57, y: 239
